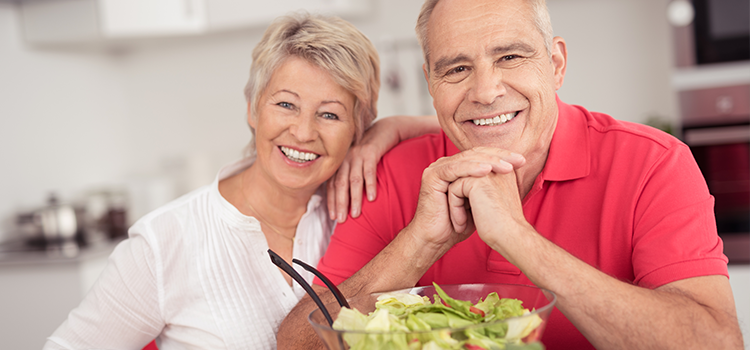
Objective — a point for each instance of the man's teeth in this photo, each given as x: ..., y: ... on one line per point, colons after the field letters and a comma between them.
x: 497, y: 120
x: 297, y: 156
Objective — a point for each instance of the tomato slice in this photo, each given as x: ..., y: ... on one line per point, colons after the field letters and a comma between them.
x: 476, y: 311
x: 474, y: 347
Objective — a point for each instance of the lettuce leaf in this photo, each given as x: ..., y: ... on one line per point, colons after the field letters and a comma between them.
x: 403, y: 321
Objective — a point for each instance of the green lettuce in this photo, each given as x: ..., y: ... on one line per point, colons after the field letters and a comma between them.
x: 403, y: 321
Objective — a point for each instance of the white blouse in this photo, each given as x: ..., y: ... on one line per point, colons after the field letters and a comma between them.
x: 196, y: 274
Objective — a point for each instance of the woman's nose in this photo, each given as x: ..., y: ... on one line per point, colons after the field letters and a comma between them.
x: 304, y: 129
x: 487, y: 86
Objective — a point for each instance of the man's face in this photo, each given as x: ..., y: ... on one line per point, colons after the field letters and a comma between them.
x: 490, y: 76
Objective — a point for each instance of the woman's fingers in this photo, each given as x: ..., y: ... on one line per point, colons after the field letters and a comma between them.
x: 341, y: 192
x: 356, y: 182
x: 331, y: 197
x: 370, y: 170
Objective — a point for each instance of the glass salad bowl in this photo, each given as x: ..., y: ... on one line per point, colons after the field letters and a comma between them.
x: 461, y: 316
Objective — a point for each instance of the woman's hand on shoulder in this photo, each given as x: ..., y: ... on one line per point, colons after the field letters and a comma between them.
x: 359, y: 168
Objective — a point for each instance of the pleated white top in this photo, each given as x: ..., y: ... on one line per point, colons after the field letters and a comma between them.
x: 196, y: 274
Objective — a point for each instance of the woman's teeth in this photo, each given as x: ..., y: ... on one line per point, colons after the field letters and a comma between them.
x: 497, y: 120
x: 297, y: 156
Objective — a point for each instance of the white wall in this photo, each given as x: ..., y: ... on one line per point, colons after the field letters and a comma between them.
x: 619, y: 56
x: 61, y: 119
x: 173, y: 110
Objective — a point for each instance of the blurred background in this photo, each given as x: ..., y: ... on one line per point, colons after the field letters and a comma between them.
x: 111, y: 108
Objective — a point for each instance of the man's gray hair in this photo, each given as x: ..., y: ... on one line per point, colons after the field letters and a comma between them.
x: 542, y: 23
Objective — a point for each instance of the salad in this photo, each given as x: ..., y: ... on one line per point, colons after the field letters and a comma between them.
x: 410, y: 322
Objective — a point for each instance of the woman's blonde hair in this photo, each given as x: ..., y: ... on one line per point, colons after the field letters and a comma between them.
x: 330, y: 43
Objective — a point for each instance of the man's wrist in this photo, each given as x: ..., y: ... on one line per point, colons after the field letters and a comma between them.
x: 429, y: 252
x: 510, y: 240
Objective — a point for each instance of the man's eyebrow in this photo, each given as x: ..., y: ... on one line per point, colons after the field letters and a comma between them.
x: 516, y: 46
x: 444, y: 62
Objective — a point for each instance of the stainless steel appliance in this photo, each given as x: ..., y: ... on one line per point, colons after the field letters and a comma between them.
x: 63, y: 229
x: 716, y: 126
x: 713, y: 31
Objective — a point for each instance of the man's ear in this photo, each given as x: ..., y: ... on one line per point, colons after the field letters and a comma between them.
x: 427, y: 77
x: 250, y: 120
x: 559, y: 60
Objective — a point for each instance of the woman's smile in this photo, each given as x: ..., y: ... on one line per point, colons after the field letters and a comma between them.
x: 298, y: 156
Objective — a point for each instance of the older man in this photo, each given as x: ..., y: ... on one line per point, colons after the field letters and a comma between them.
x: 613, y: 217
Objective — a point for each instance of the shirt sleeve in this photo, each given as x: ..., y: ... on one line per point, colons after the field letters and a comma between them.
x: 675, y: 236
x: 122, y: 309
x: 357, y: 240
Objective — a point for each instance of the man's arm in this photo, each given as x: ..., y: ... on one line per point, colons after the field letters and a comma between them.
x: 403, y: 262
x: 694, y: 313
x: 686, y: 314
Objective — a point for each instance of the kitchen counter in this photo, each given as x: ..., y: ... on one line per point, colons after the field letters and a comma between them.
x: 18, y: 253
x: 38, y: 289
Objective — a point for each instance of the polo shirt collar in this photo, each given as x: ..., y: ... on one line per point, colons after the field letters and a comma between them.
x: 569, y: 154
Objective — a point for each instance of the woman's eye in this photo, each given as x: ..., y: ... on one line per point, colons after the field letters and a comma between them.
x: 330, y: 116
x: 284, y: 105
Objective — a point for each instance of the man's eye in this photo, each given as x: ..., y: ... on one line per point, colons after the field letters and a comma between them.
x: 509, y: 57
x: 459, y: 69
x: 330, y: 116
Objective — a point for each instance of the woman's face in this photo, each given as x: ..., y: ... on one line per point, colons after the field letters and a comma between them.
x: 304, y: 127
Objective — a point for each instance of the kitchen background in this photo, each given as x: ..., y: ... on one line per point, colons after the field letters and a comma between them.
x: 115, y: 116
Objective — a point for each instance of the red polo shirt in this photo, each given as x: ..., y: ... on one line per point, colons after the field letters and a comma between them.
x: 623, y: 197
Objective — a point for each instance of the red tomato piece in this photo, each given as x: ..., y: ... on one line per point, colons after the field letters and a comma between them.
x: 476, y: 311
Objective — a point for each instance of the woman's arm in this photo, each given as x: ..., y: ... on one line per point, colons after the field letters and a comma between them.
x: 359, y: 167
x: 122, y: 308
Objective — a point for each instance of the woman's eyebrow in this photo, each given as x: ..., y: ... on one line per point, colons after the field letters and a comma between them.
x: 285, y: 90
x: 335, y: 101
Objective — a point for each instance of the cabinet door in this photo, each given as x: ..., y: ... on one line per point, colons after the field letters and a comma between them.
x: 230, y: 14
x: 134, y: 18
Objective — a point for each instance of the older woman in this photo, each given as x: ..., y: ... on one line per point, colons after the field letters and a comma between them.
x: 195, y: 274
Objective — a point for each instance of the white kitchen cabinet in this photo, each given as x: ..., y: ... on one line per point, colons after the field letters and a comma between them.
x: 230, y: 14
x: 134, y: 18
x: 38, y: 291
x: 103, y: 21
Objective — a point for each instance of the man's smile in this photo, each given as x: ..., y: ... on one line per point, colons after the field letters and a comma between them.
x: 497, y: 120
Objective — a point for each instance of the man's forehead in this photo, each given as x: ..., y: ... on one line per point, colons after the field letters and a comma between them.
x: 480, y: 29
x: 451, y: 11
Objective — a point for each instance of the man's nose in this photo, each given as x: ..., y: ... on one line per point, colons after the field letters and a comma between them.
x: 305, y: 128
x: 488, y: 86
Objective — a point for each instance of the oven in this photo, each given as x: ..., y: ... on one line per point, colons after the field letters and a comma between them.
x: 716, y: 127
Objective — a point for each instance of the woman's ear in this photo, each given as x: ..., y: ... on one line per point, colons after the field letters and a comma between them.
x: 250, y: 120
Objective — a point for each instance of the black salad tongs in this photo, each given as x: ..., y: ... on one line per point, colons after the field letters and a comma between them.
x: 278, y: 261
